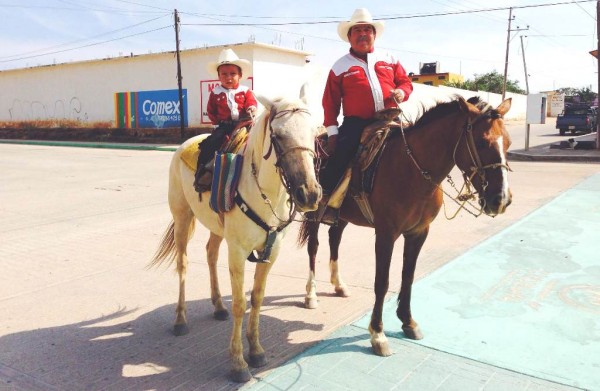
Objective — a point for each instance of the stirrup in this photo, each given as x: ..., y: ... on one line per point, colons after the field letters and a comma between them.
x: 330, y: 216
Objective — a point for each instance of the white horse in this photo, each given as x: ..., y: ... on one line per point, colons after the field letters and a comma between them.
x: 278, y: 174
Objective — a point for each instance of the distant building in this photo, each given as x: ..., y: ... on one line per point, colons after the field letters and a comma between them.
x: 430, y: 75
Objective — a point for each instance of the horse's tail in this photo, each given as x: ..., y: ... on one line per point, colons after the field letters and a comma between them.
x: 167, y: 250
x: 303, y: 234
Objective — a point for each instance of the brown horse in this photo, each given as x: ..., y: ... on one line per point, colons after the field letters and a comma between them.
x: 407, y: 196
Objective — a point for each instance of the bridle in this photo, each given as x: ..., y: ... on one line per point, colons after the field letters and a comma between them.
x: 477, y: 167
x: 280, y: 153
x: 467, y: 192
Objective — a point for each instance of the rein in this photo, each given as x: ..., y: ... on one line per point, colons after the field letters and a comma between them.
x: 477, y: 169
x: 272, y: 231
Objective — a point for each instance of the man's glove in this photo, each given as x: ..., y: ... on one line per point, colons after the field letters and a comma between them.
x: 331, y: 143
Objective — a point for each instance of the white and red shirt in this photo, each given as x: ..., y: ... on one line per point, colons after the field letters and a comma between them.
x: 362, y: 88
x: 227, y: 104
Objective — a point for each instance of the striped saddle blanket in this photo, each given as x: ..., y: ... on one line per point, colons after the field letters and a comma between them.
x: 226, y: 176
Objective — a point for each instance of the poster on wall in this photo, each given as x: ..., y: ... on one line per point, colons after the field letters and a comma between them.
x: 206, y: 87
x: 150, y: 109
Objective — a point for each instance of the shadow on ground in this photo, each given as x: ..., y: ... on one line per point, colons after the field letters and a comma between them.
x: 106, y: 353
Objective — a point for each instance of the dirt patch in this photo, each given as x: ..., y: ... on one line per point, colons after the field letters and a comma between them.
x: 148, y: 136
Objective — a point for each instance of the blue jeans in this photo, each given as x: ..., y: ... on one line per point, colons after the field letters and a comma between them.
x: 348, y: 141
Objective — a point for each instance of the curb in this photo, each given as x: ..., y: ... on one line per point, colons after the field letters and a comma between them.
x: 80, y: 144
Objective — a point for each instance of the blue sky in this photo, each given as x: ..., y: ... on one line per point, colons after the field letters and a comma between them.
x: 41, y: 32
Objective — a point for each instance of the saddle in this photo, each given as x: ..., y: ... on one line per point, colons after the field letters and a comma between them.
x: 358, y: 177
x: 232, y: 144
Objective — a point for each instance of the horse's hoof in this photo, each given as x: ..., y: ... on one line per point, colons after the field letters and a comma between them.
x: 181, y: 329
x: 412, y: 332
x: 311, y: 303
x: 240, y: 376
x: 221, y: 315
x: 342, y: 291
x: 257, y: 360
x: 381, y: 349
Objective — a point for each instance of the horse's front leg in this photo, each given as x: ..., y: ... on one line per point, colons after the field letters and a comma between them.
x: 310, y: 300
x: 212, y: 256
x: 256, y: 354
x: 335, y: 237
x: 239, y: 368
x: 384, y: 245
x: 412, y: 247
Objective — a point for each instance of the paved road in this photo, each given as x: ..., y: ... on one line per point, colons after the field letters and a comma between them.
x: 539, y: 134
x: 79, y: 310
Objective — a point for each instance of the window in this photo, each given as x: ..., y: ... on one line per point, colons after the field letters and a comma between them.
x: 441, y: 77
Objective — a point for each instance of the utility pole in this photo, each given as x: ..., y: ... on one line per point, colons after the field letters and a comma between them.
x: 598, y: 62
x: 510, y: 19
x: 525, y: 67
x: 181, y: 107
x: 528, y: 127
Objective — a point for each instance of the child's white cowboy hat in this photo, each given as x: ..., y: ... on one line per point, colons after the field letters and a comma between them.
x: 228, y: 56
x: 360, y: 16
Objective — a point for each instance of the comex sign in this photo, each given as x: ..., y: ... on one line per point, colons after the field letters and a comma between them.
x: 160, y: 109
x: 150, y: 109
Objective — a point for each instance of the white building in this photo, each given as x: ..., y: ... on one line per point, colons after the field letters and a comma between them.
x: 87, y: 91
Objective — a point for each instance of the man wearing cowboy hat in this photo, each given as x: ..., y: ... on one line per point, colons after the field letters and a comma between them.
x: 362, y: 82
x: 230, y: 106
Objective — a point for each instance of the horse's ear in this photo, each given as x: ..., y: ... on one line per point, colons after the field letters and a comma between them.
x: 504, y: 106
x: 464, y: 105
x: 268, y: 103
x: 304, y: 93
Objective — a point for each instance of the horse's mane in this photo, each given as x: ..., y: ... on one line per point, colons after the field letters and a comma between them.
x: 484, y: 107
x: 439, y: 110
x: 258, y: 130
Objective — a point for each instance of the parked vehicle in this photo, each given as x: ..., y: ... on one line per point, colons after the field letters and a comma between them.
x: 577, y: 118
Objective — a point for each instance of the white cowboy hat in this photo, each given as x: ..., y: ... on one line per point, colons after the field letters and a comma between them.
x: 228, y: 56
x: 360, y: 16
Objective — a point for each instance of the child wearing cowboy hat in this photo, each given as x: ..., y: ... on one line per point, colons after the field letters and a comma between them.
x: 230, y: 106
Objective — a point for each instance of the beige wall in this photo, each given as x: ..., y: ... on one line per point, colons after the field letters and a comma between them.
x: 85, y: 90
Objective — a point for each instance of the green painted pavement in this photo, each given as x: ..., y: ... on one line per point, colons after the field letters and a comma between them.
x: 520, y: 311
x: 527, y: 299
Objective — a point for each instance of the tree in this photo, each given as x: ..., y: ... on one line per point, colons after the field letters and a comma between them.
x: 489, y: 82
x: 584, y: 94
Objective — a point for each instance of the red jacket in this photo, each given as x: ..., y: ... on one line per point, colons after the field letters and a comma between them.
x: 227, y: 104
x: 362, y: 89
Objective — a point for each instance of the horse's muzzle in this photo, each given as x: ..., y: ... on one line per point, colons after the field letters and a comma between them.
x: 307, y: 199
x: 496, y: 204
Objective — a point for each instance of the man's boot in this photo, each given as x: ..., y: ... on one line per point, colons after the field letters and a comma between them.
x: 326, y: 214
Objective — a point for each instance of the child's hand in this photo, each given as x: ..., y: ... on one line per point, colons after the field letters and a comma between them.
x: 252, y: 111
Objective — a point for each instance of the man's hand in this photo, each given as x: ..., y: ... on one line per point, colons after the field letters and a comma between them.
x: 331, y: 143
x: 398, y: 95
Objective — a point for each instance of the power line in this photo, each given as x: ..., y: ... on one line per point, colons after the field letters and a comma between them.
x: 393, y: 17
x: 85, y: 46
x: 79, y: 40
